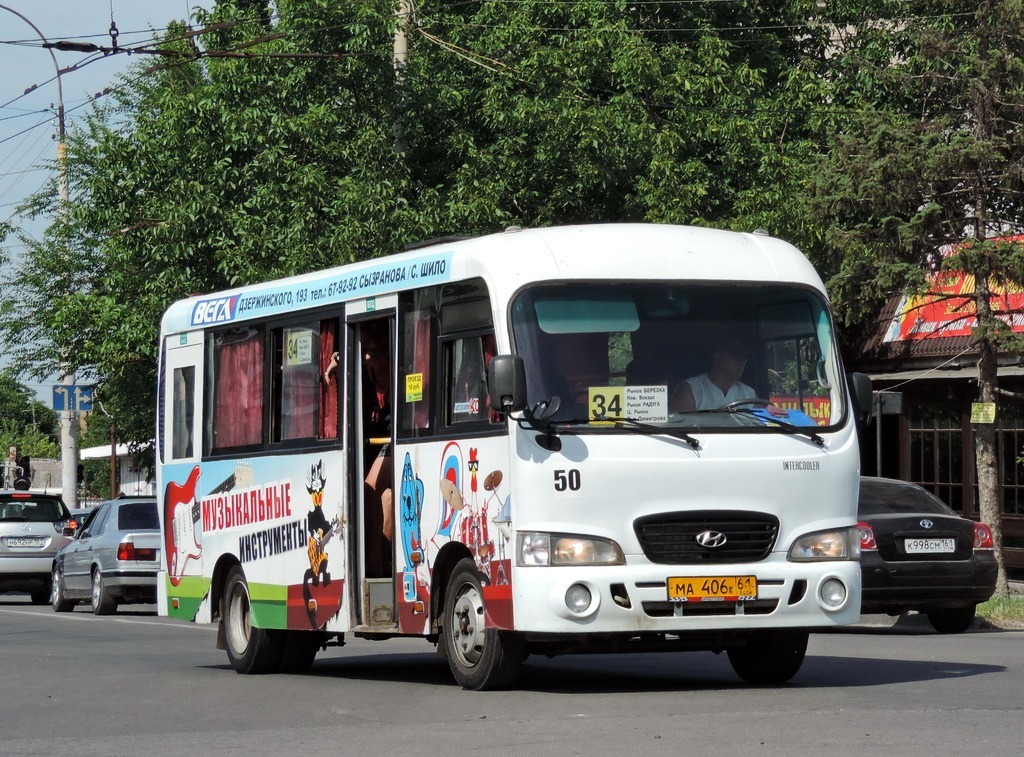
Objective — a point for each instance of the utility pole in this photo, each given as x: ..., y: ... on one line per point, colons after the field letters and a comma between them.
x: 68, y: 417
x: 403, y: 12
x: 113, y: 457
x: 401, y: 58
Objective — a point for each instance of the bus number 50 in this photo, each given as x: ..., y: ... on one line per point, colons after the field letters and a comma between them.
x: 567, y: 480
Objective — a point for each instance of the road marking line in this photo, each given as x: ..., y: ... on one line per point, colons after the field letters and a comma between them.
x: 83, y: 617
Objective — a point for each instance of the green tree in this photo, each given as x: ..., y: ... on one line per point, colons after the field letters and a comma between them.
x: 283, y: 142
x: 208, y: 173
x: 542, y: 113
x: 25, y: 422
x: 95, y: 480
x: 930, y: 160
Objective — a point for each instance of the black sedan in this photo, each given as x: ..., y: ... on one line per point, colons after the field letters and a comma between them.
x: 917, y: 554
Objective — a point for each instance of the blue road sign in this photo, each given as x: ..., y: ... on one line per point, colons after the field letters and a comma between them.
x: 72, y: 397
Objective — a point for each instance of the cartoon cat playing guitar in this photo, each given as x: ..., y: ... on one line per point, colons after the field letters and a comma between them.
x: 320, y: 529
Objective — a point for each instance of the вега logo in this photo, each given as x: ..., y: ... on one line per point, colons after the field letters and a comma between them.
x: 220, y: 310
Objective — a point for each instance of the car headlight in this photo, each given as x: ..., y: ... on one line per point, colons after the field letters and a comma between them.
x: 838, y: 544
x: 538, y: 548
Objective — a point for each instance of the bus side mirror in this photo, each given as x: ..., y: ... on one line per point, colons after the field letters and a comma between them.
x: 860, y: 394
x: 506, y: 382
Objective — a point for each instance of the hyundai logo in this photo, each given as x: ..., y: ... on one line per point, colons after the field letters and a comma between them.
x: 711, y: 539
x: 925, y: 523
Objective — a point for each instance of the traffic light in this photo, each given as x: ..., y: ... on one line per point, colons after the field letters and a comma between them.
x: 23, y: 474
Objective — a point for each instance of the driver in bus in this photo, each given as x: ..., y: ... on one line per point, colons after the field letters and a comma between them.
x: 719, y: 386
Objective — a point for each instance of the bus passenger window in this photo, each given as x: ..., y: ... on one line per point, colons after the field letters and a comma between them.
x: 235, y: 414
x: 413, y: 400
x: 466, y: 362
x: 300, y: 380
x: 182, y: 410
x: 305, y: 388
x: 329, y: 387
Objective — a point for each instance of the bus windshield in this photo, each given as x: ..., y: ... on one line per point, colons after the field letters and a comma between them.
x: 708, y: 356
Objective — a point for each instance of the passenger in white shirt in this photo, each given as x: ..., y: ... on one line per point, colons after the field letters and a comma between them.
x: 719, y: 386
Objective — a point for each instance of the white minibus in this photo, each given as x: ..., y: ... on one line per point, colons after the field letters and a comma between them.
x: 597, y: 438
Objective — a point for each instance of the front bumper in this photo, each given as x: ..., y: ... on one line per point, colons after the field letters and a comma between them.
x: 634, y: 598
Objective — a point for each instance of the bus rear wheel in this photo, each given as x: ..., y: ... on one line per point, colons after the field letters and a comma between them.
x: 770, y: 656
x: 250, y: 649
x: 480, y: 658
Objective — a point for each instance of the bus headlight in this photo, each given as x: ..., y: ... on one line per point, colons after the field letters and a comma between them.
x: 838, y: 544
x: 538, y: 548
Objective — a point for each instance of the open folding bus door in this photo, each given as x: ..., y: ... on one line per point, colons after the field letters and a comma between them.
x: 371, y: 364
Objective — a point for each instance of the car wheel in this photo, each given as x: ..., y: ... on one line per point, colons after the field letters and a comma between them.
x: 250, y: 649
x: 480, y: 658
x: 40, y: 597
x: 102, y: 602
x: 952, y: 620
x: 770, y: 656
x: 58, y: 600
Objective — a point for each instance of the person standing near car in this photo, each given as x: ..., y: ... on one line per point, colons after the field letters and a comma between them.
x: 10, y: 472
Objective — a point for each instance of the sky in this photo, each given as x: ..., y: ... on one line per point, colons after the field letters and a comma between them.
x: 28, y: 123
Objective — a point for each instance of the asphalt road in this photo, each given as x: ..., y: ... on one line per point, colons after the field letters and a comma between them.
x: 137, y: 684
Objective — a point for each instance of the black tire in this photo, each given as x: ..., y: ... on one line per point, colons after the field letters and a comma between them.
x: 41, y: 597
x: 102, y: 602
x: 298, y: 651
x: 952, y: 620
x: 58, y: 598
x: 770, y: 656
x: 250, y: 650
x: 480, y: 658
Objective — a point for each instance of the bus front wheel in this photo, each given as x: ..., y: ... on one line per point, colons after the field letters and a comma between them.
x: 250, y: 649
x: 770, y: 656
x: 480, y: 658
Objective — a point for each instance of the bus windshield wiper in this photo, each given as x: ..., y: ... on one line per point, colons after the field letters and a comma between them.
x: 808, y: 431
x: 540, y: 418
x: 652, y: 429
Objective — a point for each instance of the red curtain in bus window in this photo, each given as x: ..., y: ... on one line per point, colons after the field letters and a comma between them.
x: 328, y: 392
x: 238, y: 408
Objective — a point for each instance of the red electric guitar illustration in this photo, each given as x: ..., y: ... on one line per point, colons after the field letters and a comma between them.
x: 182, y: 512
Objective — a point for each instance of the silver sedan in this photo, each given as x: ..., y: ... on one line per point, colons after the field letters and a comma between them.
x: 113, y: 560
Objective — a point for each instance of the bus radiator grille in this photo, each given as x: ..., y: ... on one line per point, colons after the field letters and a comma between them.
x: 672, y: 538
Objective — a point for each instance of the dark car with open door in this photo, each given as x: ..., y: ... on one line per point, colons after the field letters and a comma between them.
x: 918, y: 554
